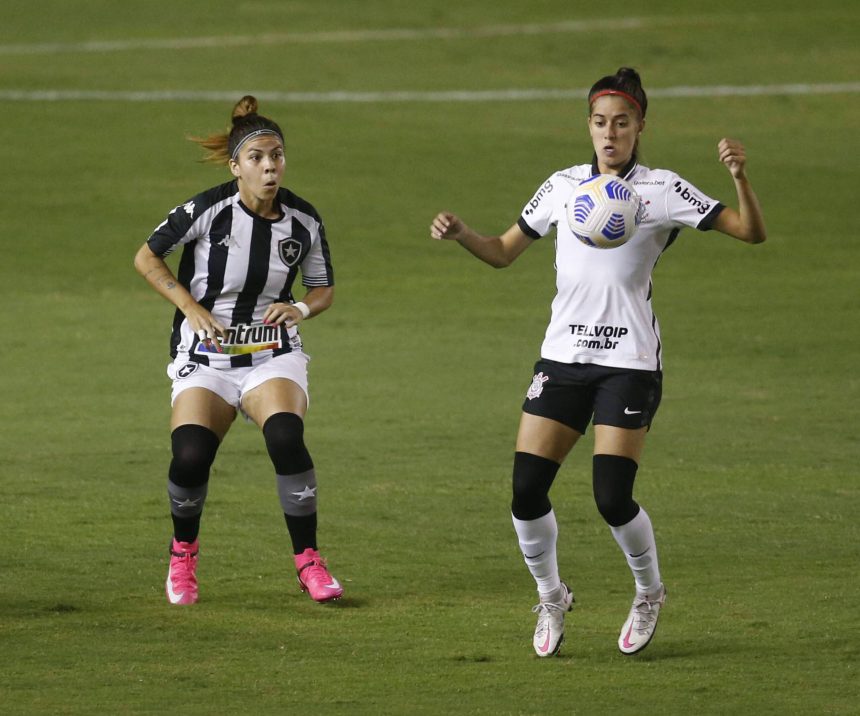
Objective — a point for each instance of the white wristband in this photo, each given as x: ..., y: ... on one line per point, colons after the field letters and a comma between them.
x: 303, y: 309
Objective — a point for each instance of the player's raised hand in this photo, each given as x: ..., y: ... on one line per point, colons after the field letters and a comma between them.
x: 733, y: 155
x: 447, y: 226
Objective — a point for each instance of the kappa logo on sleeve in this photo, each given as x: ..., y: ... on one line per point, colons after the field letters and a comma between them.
x: 187, y: 206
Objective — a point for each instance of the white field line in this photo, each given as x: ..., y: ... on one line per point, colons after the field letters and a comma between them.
x: 344, y: 36
x: 339, y: 97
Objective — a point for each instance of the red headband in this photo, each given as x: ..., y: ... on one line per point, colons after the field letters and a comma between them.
x: 626, y: 96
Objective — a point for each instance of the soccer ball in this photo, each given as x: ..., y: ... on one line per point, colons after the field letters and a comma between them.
x: 604, y: 211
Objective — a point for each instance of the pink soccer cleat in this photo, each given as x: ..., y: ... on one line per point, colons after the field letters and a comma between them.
x: 315, y: 579
x: 182, y: 575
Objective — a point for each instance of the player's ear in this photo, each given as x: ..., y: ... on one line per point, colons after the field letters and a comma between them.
x: 234, y: 169
x: 641, y: 126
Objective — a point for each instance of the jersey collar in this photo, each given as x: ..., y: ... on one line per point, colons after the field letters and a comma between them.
x: 625, y: 173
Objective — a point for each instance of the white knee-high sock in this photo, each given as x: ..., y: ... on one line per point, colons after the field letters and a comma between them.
x: 636, y: 540
x: 537, y: 540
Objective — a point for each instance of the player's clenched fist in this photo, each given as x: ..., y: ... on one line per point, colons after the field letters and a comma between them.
x: 733, y: 155
x: 446, y: 226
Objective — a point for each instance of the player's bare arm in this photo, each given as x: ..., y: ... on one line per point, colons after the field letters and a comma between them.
x: 158, y: 274
x: 747, y: 222
x: 315, y: 301
x: 497, y: 251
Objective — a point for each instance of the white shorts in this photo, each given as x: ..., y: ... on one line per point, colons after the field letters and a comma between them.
x: 232, y: 384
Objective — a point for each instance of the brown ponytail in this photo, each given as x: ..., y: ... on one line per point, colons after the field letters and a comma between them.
x: 220, y: 146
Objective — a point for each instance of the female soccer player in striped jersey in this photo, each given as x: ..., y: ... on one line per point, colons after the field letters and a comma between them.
x: 601, y: 357
x: 235, y: 342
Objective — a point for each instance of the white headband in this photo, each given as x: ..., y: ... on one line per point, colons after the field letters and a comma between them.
x: 253, y: 135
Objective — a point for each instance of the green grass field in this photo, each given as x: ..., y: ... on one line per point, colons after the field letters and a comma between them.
x: 419, y: 369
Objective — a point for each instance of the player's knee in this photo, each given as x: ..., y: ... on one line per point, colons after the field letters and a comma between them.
x: 194, y: 449
x: 285, y: 441
x: 612, y: 480
x: 533, y: 476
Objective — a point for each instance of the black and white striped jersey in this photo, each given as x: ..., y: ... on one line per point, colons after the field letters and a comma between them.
x: 602, y: 309
x: 236, y: 264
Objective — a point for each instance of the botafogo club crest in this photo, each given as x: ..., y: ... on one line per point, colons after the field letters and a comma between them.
x: 290, y: 251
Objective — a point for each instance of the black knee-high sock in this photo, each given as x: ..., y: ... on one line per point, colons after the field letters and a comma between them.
x: 295, y: 476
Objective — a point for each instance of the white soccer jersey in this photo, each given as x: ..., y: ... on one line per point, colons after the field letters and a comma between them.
x: 602, y: 309
x: 235, y: 264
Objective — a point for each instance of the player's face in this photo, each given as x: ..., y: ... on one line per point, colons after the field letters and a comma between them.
x: 614, y: 127
x: 259, y: 168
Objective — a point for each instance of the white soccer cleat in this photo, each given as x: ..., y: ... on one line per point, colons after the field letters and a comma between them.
x: 549, y: 632
x: 641, y: 622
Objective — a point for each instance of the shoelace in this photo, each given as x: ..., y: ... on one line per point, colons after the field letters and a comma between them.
x: 548, y: 607
x: 316, y: 569
x: 645, y: 614
x: 544, y: 610
x: 182, y: 569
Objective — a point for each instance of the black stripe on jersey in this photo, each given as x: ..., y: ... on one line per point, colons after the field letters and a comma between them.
x: 258, y: 272
x: 526, y: 229
x: 707, y: 223
x: 216, y: 265
x: 303, y: 236
x: 673, y: 234
x: 292, y: 201
x: 659, y: 344
x: 255, y: 282
x: 184, y: 275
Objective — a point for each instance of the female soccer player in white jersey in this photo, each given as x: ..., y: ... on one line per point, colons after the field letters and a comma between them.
x: 235, y: 341
x: 601, y: 357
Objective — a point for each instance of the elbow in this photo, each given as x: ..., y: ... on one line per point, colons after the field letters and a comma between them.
x: 500, y: 262
x: 141, y: 264
x: 758, y: 237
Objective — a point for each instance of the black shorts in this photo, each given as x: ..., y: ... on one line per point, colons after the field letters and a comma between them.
x: 573, y: 393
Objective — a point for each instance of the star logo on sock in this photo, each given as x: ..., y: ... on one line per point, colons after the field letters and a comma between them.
x: 186, y: 502
x: 307, y: 493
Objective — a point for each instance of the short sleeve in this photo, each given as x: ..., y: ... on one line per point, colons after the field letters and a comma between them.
x: 316, y: 267
x: 688, y: 206
x: 175, y: 230
x: 538, y: 215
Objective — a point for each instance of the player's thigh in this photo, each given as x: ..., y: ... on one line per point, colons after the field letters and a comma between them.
x: 199, y: 406
x: 276, y: 395
x: 545, y: 437
x: 624, y: 442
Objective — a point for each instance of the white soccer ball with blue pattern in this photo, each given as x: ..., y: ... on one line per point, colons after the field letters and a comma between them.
x: 604, y: 211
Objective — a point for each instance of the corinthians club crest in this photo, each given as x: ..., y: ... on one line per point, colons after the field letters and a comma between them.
x: 536, y: 388
x: 290, y: 250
